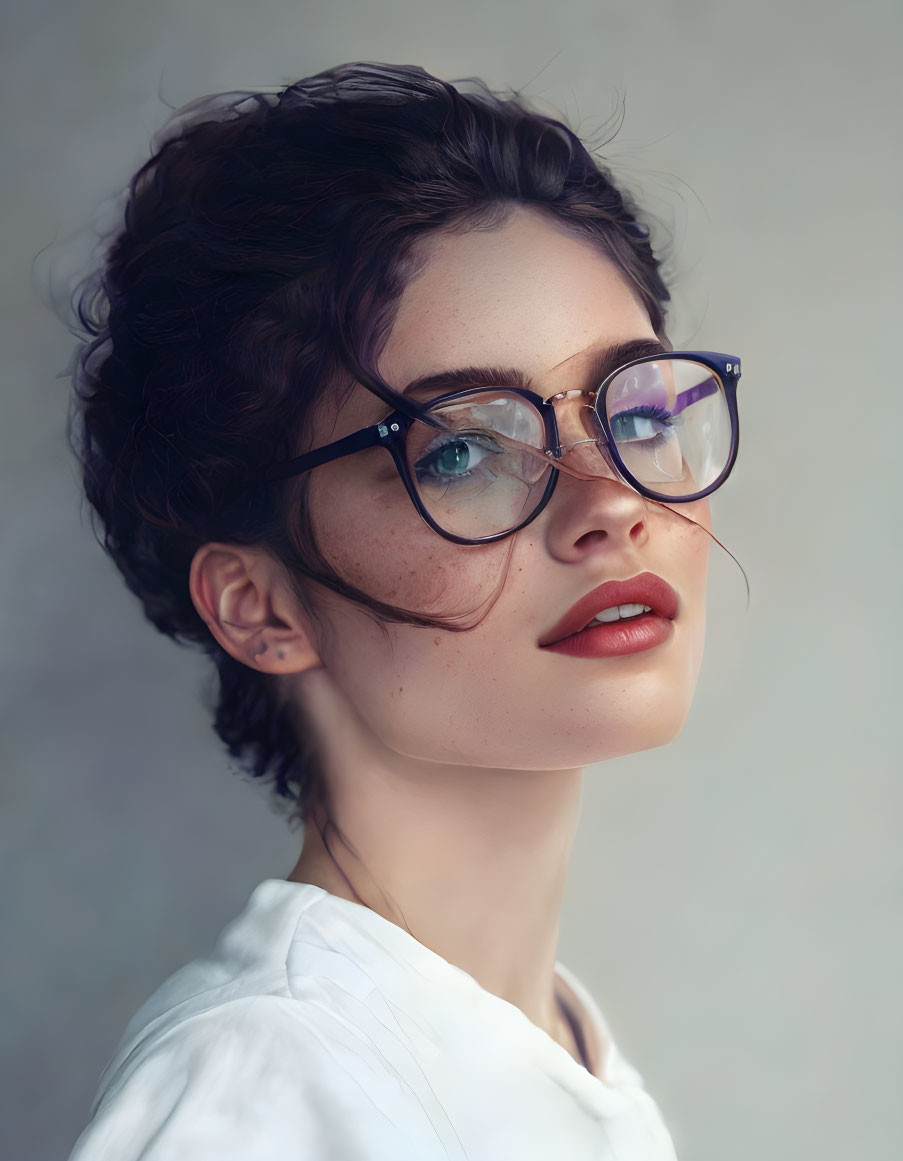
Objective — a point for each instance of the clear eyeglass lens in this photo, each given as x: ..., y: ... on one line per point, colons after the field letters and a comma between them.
x: 478, y: 475
x: 671, y: 424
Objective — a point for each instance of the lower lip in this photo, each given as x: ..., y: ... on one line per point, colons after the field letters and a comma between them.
x: 615, y: 638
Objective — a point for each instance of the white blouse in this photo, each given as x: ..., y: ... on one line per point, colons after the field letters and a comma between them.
x: 317, y: 1030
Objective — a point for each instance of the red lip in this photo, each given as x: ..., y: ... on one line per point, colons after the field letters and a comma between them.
x: 644, y: 589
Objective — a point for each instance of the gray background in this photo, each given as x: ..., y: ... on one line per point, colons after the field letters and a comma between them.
x: 734, y: 900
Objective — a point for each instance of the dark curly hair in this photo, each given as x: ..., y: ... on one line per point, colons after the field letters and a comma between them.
x: 264, y: 248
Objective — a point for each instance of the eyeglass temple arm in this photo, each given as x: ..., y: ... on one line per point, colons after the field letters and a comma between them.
x: 693, y: 394
x: 368, y: 437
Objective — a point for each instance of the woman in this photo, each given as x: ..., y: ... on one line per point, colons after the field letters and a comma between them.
x: 380, y: 411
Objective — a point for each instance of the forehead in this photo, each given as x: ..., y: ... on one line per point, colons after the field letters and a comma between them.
x: 527, y: 294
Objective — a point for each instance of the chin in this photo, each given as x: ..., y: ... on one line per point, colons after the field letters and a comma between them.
x: 616, y: 739
x: 569, y: 728
x: 574, y: 749
x: 619, y: 748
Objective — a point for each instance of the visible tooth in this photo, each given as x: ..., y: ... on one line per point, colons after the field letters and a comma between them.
x: 617, y: 612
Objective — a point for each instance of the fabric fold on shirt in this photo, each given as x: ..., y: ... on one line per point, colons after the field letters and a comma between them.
x: 370, y: 1045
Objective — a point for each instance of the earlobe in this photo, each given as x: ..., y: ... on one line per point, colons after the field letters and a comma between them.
x: 234, y: 589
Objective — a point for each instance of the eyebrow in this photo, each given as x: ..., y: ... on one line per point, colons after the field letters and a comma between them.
x: 603, y: 361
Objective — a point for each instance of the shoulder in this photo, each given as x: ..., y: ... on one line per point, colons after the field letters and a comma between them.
x: 260, y: 1078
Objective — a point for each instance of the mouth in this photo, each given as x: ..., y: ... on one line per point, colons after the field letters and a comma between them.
x: 633, y: 613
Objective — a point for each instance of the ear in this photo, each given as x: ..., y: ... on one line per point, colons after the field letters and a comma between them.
x: 244, y: 599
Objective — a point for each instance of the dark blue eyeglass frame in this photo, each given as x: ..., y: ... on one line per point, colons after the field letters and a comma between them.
x: 392, y: 431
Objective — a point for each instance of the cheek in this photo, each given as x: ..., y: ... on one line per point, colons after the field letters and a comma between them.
x: 374, y: 538
x: 689, y: 535
x: 693, y: 548
x: 700, y: 542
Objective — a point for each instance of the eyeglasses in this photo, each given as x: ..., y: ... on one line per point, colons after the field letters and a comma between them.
x: 480, y: 463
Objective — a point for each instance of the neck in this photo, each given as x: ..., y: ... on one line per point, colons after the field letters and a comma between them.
x: 470, y: 861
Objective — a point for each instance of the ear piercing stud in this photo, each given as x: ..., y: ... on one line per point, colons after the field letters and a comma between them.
x: 262, y: 648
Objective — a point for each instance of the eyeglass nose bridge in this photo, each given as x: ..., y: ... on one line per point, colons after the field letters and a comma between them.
x: 574, y: 391
x: 599, y: 440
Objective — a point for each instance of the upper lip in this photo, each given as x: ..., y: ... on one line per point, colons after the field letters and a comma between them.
x: 644, y: 589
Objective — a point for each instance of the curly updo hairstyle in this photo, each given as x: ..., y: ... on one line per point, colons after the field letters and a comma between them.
x: 264, y: 246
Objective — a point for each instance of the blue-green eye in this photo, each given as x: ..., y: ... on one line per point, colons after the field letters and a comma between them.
x: 456, y: 458
x: 451, y: 460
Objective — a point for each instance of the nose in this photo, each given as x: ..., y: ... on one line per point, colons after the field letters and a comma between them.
x: 589, y: 517
x: 588, y: 459
x: 594, y: 514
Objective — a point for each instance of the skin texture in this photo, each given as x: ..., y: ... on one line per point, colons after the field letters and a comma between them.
x: 454, y: 761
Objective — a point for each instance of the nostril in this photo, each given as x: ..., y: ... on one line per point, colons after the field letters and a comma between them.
x: 591, y: 538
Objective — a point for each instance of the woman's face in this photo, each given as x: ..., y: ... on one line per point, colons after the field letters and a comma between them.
x: 532, y: 296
